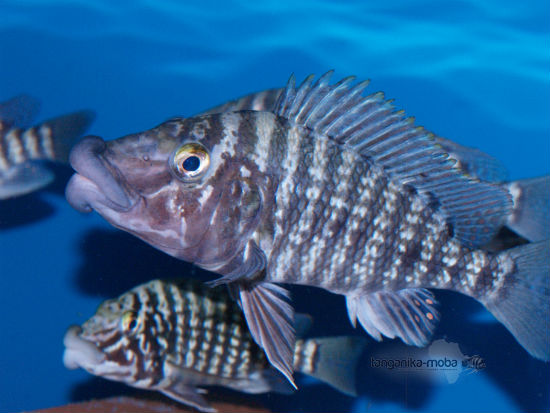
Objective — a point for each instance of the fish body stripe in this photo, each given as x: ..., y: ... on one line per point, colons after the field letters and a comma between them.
x: 194, y: 328
x: 14, y: 146
x: 18, y: 146
x: 339, y: 221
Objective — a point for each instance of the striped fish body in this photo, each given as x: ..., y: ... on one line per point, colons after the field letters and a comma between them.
x: 22, y: 148
x: 172, y: 336
x: 531, y: 199
x: 332, y: 190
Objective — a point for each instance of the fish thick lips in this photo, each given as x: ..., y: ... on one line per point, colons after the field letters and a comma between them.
x: 80, y: 352
x: 94, y: 182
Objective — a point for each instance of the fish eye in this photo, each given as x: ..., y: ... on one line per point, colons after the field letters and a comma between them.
x: 190, y: 161
x: 129, y: 322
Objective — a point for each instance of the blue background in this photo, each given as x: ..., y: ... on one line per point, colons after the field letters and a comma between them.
x: 477, y: 72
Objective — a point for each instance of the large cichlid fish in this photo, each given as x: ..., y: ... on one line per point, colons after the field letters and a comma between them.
x: 23, y: 150
x: 175, y: 336
x: 331, y: 189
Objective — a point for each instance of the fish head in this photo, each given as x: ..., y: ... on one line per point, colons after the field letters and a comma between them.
x: 187, y: 187
x: 113, y: 343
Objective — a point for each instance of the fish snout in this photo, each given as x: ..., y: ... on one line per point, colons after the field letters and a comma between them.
x: 96, y: 180
x: 80, y: 352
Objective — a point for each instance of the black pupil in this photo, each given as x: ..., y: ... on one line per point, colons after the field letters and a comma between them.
x: 132, y: 324
x: 191, y: 164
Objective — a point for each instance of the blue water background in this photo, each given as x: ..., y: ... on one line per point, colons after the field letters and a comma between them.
x: 477, y: 72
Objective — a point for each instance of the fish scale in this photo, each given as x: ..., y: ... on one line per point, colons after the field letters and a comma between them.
x: 293, y: 236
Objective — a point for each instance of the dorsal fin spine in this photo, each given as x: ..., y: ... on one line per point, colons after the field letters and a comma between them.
x: 373, y: 128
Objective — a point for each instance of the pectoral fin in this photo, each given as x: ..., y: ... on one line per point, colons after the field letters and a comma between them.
x: 24, y: 178
x: 188, y: 395
x: 270, y: 320
x: 253, y: 261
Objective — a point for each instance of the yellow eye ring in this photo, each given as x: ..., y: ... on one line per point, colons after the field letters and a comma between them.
x: 190, y: 161
x: 130, y: 322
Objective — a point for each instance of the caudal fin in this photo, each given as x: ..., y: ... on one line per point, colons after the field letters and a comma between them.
x: 65, y: 130
x: 332, y: 360
x: 530, y: 216
x: 523, y: 303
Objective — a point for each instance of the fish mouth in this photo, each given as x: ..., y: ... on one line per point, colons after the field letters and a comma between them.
x: 97, y: 181
x: 80, y: 352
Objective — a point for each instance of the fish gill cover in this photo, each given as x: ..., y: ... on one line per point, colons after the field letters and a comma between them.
x: 472, y: 72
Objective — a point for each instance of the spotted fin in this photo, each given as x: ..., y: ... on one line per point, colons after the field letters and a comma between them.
x: 523, y: 302
x: 530, y: 216
x: 474, y: 162
x: 270, y: 320
x: 19, y: 111
x: 23, y: 179
x: 335, y: 361
x: 408, y: 154
x: 409, y: 314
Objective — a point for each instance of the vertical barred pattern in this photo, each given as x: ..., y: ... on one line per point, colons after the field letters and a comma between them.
x: 14, y: 146
x: 306, y: 355
x: 18, y: 146
x: 4, y: 156
x: 192, y: 326
x: 341, y: 224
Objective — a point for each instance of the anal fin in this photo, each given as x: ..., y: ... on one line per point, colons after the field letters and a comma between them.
x: 409, y: 314
x: 270, y: 320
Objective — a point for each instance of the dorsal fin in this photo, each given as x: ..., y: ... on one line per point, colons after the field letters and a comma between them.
x: 19, y: 111
x: 408, y: 154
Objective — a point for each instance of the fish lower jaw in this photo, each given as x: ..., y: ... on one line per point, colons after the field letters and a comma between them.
x: 84, y: 195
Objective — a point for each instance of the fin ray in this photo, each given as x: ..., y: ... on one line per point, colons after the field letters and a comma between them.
x: 530, y: 217
x: 270, y: 320
x: 524, y: 303
x: 372, y: 127
x: 409, y: 314
x: 474, y: 162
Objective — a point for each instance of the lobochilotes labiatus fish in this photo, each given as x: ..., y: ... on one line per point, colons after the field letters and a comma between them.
x: 331, y: 189
x: 176, y: 336
x: 25, y: 152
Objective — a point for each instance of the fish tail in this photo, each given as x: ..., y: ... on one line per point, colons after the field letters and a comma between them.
x: 59, y: 134
x: 331, y: 359
x: 530, y: 217
x: 522, y: 300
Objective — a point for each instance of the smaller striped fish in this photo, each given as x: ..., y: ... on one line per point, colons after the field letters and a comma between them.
x: 22, y: 150
x: 173, y: 336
